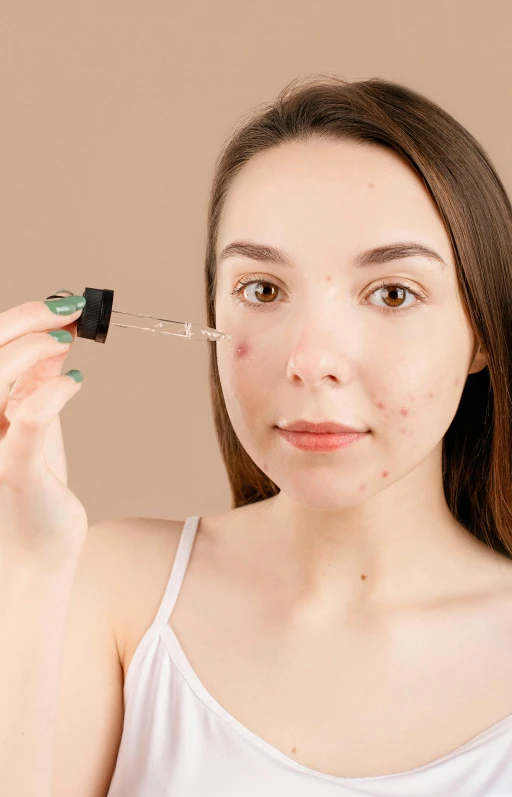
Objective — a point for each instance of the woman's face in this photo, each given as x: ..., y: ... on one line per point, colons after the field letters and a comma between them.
x: 322, y: 338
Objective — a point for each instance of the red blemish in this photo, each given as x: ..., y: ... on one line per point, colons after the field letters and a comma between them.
x: 457, y: 380
x: 431, y: 395
x: 371, y: 185
x: 328, y: 278
x: 404, y: 411
x: 403, y: 431
x: 242, y: 350
x: 294, y: 749
x: 363, y: 487
x: 380, y: 405
x: 385, y: 473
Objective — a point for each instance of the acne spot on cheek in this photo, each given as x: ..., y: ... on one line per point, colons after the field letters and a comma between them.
x: 404, y: 411
x: 242, y: 350
x: 380, y: 405
x: 431, y: 395
x: 362, y: 487
x: 328, y: 278
x: 385, y: 474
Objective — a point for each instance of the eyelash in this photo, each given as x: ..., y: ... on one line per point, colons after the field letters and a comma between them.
x: 257, y: 305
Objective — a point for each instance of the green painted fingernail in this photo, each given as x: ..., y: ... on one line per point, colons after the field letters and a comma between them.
x: 66, y: 304
x: 62, y: 335
x: 75, y: 374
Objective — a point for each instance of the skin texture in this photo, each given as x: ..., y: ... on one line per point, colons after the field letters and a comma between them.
x: 368, y: 525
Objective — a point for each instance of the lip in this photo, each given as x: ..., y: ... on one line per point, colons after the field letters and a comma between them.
x: 323, y: 427
x: 321, y: 441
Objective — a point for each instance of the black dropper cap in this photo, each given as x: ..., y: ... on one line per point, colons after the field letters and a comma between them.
x: 94, y: 320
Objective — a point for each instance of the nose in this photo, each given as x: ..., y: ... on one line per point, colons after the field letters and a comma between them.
x: 322, y: 350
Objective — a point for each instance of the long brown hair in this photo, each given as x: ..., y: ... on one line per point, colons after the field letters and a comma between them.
x: 475, y: 208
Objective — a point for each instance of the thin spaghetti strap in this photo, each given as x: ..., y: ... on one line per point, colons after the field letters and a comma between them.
x: 178, y: 571
x: 171, y: 593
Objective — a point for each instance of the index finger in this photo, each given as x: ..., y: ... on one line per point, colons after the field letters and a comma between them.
x: 32, y: 317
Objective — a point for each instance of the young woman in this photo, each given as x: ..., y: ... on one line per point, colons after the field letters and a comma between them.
x: 345, y: 628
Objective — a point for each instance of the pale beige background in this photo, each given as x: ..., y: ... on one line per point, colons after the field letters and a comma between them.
x: 112, y: 116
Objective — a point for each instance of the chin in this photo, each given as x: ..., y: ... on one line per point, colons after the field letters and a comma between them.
x: 321, y: 493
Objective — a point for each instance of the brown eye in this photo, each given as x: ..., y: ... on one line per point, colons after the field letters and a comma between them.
x: 265, y: 295
x: 266, y: 292
x: 395, y: 294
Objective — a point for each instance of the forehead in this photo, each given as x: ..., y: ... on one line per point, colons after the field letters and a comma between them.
x: 340, y: 193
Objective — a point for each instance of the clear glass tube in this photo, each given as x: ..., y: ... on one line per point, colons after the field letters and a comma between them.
x: 183, y: 329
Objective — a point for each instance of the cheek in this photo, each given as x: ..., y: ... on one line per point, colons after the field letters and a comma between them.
x: 242, y: 350
x: 242, y: 379
x: 247, y: 383
x: 253, y: 373
x: 235, y: 366
x: 416, y: 408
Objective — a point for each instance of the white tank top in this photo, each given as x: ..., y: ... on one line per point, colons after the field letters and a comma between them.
x: 177, y: 741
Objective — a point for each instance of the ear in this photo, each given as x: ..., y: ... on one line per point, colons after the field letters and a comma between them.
x: 479, y: 361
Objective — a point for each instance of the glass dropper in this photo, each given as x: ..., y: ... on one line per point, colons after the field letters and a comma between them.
x: 184, y: 329
x: 95, y: 320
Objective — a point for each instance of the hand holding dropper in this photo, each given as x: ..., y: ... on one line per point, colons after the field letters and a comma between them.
x: 95, y: 322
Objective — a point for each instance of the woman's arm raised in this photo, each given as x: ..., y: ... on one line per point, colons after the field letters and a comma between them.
x: 45, y: 548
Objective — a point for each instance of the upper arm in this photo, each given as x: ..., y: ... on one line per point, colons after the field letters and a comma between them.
x: 91, y: 710
x: 119, y: 582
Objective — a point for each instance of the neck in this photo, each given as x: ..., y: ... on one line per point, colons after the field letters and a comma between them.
x: 400, y: 547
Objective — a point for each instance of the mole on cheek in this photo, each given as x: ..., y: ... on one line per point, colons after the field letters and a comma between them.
x: 242, y: 350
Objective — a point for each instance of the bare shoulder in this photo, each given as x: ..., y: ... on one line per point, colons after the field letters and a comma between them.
x: 132, y: 558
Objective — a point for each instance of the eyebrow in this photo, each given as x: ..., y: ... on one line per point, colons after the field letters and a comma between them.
x: 370, y: 257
